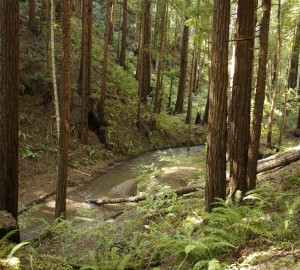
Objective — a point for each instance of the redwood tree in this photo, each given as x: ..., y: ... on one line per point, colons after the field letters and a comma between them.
x: 216, y: 139
x: 32, y: 25
x: 145, y: 56
x: 183, y: 70
x: 241, y: 96
x: 64, y: 108
x: 124, y: 36
x: 101, y: 104
x: 259, y: 96
x: 9, y: 106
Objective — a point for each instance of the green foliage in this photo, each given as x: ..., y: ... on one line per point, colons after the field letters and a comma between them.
x: 27, y: 152
x: 7, y: 251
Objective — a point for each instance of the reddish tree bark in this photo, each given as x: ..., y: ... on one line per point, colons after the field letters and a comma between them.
x: 259, y: 96
x: 216, y: 139
x: 239, y: 122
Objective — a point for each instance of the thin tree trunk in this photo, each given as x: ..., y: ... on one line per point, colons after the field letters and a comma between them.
x: 9, y: 107
x: 217, y: 129
x: 145, y: 74
x: 183, y: 70
x: 124, y: 36
x: 295, y: 59
x: 112, y: 21
x: 283, y: 121
x: 239, y: 119
x: 255, y: 131
x: 32, y: 25
x: 61, y: 190
x: 276, y: 82
x: 158, y: 93
x: 101, y: 104
x: 190, y: 101
x: 53, y: 65
x: 140, y: 63
x: 84, y: 73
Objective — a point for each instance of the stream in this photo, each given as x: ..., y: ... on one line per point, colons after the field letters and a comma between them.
x: 119, y: 181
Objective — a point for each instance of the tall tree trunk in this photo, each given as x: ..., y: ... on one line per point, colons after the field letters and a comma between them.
x: 145, y: 70
x: 101, y: 104
x: 158, y: 93
x: 298, y: 122
x: 190, y: 100
x: 259, y: 96
x: 32, y: 25
x: 140, y: 63
x: 61, y: 190
x: 276, y: 79
x: 295, y: 59
x: 124, y: 35
x: 112, y: 21
x: 216, y: 139
x: 53, y: 66
x: 84, y: 73
x: 9, y: 106
x: 283, y: 120
x: 183, y: 70
x: 239, y: 119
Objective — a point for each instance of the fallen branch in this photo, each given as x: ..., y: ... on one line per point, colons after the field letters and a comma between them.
x: 179, y: 192
x: 279, y: 160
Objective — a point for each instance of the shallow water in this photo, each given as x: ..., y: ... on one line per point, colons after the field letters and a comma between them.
x: 119, y: 181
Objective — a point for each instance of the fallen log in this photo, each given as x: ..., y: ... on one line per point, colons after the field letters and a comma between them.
x: 279, y: 160
x: 179, y: 192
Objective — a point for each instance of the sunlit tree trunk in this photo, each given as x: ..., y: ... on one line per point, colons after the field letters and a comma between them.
x: 216, y: 139
x: 9, y: 106
x: 276, y: 79
x: 283, y: 120
x: 63, y: 150
x: 259, y: 96
x: 239, y: 118
x: 124, y: 36
x: 53, y: 66
x: 295, y: 59
x: 183, y: 71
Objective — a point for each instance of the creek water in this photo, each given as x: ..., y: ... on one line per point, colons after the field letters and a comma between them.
x: 119, y: 181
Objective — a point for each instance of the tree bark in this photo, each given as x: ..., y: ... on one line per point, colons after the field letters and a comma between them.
x: 239, y: 118
x: 145, y: 69
x: 9, y: 106
x: 84, y: 73
x: 178, y: 192
x: 276, y: 78
x: 101, y: 104
x: 53, y: 67
x: 217, y: 130
x: 61, y: 189
x: 124, y: 36
x: 183, y: 70
x: 32, y: 25
x: 295, y: 59
x: 158, y: 93
x: 279, y: 160
x: 255, y: 131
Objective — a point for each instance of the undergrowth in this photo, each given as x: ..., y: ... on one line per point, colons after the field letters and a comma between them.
x: 177, y: 232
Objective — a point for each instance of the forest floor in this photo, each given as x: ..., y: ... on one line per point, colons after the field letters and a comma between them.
x: 38, y: 151
x: 37, y: 170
